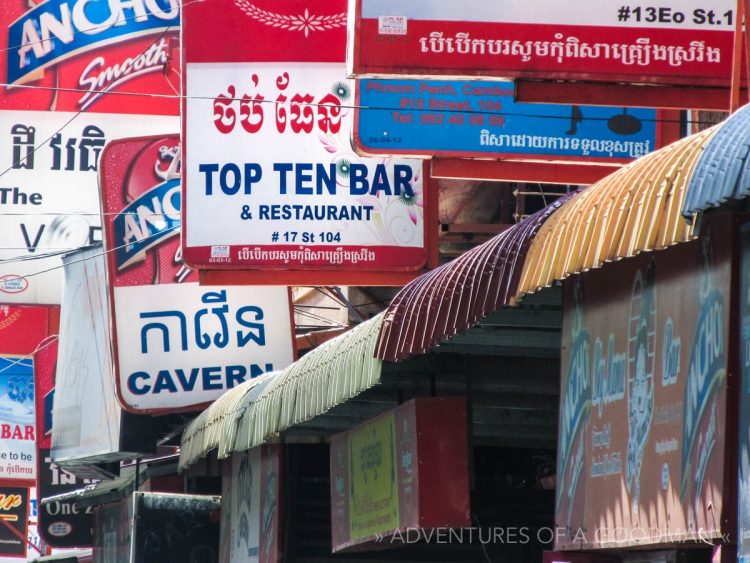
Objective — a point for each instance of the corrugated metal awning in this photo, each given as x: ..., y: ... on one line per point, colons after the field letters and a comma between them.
x: 722, y: 170
x: 452, y: 298
x: 333, y: 373
x: 634, y: 210
x: 205, y: 432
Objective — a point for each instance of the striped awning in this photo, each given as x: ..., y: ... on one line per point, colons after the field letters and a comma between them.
x: 455, y: 296
x: 259, y: 410
x: 722, y: 172
x: 219, y: 421
x: 636, y: 209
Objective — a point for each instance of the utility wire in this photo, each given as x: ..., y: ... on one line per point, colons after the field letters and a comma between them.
x: 160, y: 233
x: 39, y: 347
x: 88, y: 30
x: 342, y: 106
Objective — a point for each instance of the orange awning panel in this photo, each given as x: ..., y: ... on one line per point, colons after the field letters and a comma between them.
x: 636, y: 209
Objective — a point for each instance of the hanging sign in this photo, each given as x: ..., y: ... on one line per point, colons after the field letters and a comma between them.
x: 481, y: 119
x: 403, y: 470
x: 675, y: 42
x: 79, y: 55
x: 14, y: 513
x: 271, y: 179
x: 178, y: 345
x: 743, y: 517
x: 23, y: 331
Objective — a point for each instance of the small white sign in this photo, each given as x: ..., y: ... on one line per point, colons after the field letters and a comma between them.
x: 183, y: 345
x: 392, y: 25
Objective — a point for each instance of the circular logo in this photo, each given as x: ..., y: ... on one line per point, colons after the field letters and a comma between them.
x: 59, y: 529
x: 12, y: 283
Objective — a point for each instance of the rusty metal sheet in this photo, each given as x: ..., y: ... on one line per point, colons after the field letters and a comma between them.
x: 453, y: 297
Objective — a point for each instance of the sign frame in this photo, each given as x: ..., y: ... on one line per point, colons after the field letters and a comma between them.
x: 358, y: 68
x: 111, y: 167
x: 296, y: 272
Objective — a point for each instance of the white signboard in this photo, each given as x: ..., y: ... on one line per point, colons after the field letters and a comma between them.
x: 85, y: 412
x: 49, y: 195
x: 273, y: 182
x: 183, y: 345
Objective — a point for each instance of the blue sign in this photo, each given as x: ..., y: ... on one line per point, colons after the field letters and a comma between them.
x: 450, y: 117
x: 57, y: 29
x: 146, y: 222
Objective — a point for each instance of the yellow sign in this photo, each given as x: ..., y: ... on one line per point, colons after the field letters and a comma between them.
x: 373, y: 477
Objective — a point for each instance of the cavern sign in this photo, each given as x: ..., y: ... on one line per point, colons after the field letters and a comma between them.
x: 179, y: 345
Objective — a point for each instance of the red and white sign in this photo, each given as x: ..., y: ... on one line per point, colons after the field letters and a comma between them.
x: 668, y: 42
x: 49, y: 192
x: 178, y: 345
x: 271, y: 179
x: 76, y: 55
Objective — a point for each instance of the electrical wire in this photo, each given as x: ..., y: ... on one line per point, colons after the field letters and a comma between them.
x: 88, y: 30
x: 160, y: 233
x: 342, y: 106
x: 47, y: 342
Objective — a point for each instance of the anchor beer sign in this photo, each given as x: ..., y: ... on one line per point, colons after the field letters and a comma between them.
x: 67, y: 55
x: 645, y: 429
x: 178, y: 345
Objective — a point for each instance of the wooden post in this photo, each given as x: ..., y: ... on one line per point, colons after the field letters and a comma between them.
x: 734, y: 95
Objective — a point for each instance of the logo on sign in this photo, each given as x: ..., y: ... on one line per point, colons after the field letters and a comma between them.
x: 147, y: 221
x: 576, y: 404
x: 56, y: 30
x: 705, y: 376
x: 304, y: 22
x: 12, y: 283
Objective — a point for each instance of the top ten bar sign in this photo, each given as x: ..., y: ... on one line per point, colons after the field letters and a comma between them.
x: 271, y: 179
x: 665, y: 42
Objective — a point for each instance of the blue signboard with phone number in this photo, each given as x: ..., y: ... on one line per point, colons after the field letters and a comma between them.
x: 465, y: 118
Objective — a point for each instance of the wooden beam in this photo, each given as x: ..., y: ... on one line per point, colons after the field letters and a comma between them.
x: 629, y: 95
x: 305, y: 277
x: 520, y: 171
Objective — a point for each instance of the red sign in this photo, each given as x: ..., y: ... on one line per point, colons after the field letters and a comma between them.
x: 404, y: 470
x: 45, y: 365
x: 22, y: 328
x: 77, y: 55
x: 642, y: 450
x: 678, y: 42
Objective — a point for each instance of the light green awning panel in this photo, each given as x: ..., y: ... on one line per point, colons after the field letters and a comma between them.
x: 205, y: 432
x: 260, y: 409
x: 333, y: 373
